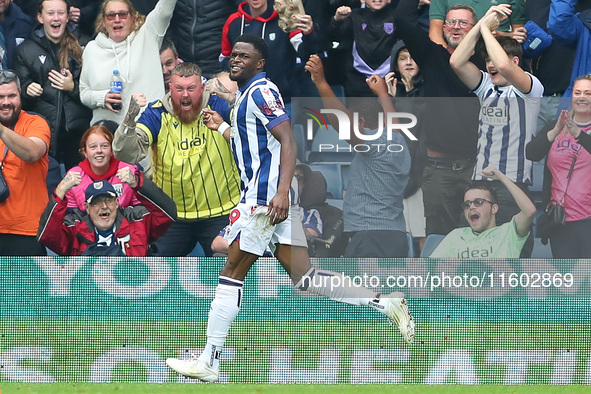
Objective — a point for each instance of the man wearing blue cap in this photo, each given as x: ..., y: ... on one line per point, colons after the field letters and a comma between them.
x: 106, y: 229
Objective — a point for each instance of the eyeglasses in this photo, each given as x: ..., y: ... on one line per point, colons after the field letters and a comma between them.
x: 100, y: 200
x: 462, y: 22
x: 121, y: 14
x: 477, y: 203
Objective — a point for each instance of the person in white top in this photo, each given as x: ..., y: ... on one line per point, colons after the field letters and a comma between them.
x: 510, y: 103
x: 128, y: 42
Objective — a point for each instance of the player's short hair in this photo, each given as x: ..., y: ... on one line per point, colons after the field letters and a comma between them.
x: 510, y: 46
x: 483, y: 185
x: 257, y: 42
x: 186, y: 69
x: 464, y: 7
x: 168, y: 44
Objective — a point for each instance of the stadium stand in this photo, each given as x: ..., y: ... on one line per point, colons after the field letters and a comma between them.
x: 300, y: 138
x: 431, y: 243
x: 411, y: 245
x: 334, y: 178
x: 327, y: 147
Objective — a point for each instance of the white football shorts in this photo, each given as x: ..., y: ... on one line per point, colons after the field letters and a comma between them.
x: 250, y: 225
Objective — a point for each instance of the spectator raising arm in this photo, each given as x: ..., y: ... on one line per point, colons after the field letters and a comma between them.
x: 507, y: 66
x: 131, y: 143
x: 527, y: 213
x: 460, y: 58
x: 329, y: 99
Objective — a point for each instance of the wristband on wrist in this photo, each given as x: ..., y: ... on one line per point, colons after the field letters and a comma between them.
x: 223, y: 127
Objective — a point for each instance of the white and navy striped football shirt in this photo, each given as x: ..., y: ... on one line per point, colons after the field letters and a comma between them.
x: 507, y: 122
x: 258, y: 108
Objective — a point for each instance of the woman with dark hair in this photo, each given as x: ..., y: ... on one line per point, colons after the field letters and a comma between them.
x: 48, y: 64
x: 99, y: 165
x: 130, y: 43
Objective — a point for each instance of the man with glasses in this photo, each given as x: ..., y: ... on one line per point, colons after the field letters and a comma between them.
x: 24, y: 140
x: 510, y: 102
x: 446, y: 126
x: 511, y: 27
x: 105, y: 229
x: 484, y: 239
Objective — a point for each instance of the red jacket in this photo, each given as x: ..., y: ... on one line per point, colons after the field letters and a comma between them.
x: 70, y: 232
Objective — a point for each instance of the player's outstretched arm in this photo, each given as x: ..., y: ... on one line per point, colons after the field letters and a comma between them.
x: 525, y: 218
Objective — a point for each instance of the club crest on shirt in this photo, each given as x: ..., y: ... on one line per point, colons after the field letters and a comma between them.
x: 118, y: 189
x: 389, y: 27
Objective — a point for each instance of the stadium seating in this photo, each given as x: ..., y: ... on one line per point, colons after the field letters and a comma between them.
x: 339, y: 152
x: 537, y: 182
x: 541, y: 251
x: 339, y: 91
x: 431, y: 243
x: 333, y: 176
x: 411, y: 245
x: 300, y: 138
x: 335, y: 203
x: 197, y: 251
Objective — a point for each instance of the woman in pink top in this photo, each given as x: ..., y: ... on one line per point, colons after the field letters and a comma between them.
x: 99, y: 165
x: 561, y: 143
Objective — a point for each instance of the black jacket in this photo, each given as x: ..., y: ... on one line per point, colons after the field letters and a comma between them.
x: 16, y: 27
x: 450, y: 123
x: 196, y: 30
x: 63, y: 110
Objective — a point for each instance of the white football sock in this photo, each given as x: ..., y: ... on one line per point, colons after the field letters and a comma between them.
x: 339, y: 288
x: 224, y: 309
